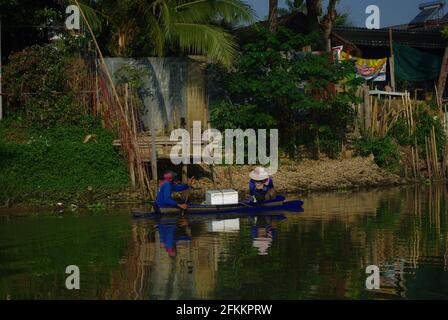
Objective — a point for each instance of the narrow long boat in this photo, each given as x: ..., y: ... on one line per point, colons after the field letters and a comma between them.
x: 275, y: 205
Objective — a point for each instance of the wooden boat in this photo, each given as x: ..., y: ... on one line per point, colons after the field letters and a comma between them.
x: 278, y: 204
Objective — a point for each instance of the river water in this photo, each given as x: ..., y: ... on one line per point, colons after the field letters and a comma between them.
x: 321, y: 253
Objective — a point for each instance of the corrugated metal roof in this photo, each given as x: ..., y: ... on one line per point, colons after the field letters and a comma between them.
x: 380, y: 37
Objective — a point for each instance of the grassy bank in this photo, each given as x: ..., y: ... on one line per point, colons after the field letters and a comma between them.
x: 45, y: 166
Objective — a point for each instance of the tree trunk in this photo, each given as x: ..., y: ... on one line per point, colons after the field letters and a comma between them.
x: 324, y: 24
x: 314, y: 10
x: 328, y: 21
x: 273, y: 23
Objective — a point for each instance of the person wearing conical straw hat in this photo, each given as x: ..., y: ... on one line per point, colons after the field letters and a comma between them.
x: 261, y: 185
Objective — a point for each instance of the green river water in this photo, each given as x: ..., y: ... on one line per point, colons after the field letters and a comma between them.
x: 321, y: 253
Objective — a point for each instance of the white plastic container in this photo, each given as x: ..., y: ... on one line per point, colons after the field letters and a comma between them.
x: 213, y: 197
x: 231, y: 225
x: 229, y: 196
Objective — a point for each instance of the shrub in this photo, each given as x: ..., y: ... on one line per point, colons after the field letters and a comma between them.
x: 56, y: 164
x: 297, y: 90
x: 384, y: 150
x: 227, y: 115
x: 37, y: 83
x: 424, y: 122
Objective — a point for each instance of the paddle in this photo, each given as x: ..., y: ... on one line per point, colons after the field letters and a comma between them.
x: 190, y: 183
x: 244, y: 204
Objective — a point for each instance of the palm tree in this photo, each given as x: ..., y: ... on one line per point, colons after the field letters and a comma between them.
x: 292, y: 6
x: 316, y: 21
x: 192, y: 26
x: 272, y: 20
x: 328, y: 21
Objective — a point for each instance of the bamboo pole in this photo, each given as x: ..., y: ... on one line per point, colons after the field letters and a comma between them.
x: 414, y: 166
x: 366, y: 108
x: 417, y: 158
x: 428, y: 158
x: 133, y: 115
x: 411, y: 111
x: 444, y: 162
x: 392, y: 61
x: 131, y: 162
x: 438, y: 99
x: 374, y: 117
x: 132, y: 142
x: 435, y: 157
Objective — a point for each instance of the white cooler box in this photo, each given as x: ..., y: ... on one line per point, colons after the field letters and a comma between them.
x: 213, y: 197
x: 220, y: 197
x: 229, y: 196
x: 231, y: 225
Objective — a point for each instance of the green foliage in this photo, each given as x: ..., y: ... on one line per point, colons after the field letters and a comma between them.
x: 384, y: 150
x: 36, y: 82
x: 400, y: 132
x: 445, y: 32
x: 424, y: 122
x: 225, y: 114
x: 97, y: 206
x: 55, y: 164
x: 170, y: 26
x: 131, y: 75
x: 276, y: 79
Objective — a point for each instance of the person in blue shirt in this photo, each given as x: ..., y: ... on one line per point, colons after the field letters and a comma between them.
x: 168, y: 185
x: 261, y: 185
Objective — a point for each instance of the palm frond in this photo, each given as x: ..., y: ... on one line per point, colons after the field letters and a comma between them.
x: 235, y: 11
x: 230, y: 11
x: 157, y: 35
x: 202, y: 39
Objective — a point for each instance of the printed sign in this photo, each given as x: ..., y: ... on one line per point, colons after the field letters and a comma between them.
x: 371, y: 69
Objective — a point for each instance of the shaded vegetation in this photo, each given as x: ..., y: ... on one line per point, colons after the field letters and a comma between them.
x: 383, y: 149
x: 44, y: 166
x: 386, y: 150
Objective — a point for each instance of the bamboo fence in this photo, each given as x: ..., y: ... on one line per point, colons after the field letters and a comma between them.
x: 386, y: 112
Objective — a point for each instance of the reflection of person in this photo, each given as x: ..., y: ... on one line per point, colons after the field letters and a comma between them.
x: 168, y: 185
x: 262, y: 235
x: 166, y: 232
x: 169, y: 235
x: 263, y: 245
x: 261, y: 186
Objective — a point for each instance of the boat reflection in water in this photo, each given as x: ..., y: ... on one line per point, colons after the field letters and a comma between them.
x: 173, y: 232
x: 179, y: 257
x: 321, y: 253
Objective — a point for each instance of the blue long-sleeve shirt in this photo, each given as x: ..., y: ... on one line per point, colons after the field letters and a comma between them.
x: 253, y: 189
x: 164, y: 195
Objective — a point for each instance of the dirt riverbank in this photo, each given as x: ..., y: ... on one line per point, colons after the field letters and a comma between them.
x: 306, y: 176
